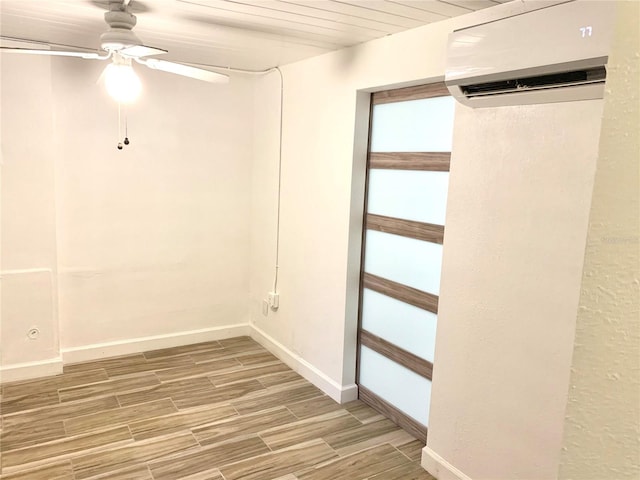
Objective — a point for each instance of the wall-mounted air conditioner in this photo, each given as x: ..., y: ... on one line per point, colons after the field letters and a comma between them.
x: 554, y: 54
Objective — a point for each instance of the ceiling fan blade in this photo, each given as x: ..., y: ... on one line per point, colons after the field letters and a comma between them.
x: 57, y: 53
x: 141, y: 51
x: 184, y: 70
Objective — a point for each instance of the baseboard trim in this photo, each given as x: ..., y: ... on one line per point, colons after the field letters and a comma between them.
x: 340, y: 393
x: 29, y: 370
x: 145, y: 344
x: 439, y: 467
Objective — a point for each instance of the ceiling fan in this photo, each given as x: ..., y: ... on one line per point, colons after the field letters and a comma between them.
x: 120, y: 45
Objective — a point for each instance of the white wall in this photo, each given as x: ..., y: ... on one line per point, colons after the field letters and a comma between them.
x: 322, y: 186
x: 602, y: 428
x: 150, y: 241
x: 28, y: 253
x: 531, y: 226
x: 519, y: 196
x: 322, y: 179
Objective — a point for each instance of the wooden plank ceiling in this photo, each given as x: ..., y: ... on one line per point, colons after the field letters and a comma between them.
x: 253, y: 34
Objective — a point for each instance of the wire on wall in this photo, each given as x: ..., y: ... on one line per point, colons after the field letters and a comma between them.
x: 275, y: 279
x: 264, y: 72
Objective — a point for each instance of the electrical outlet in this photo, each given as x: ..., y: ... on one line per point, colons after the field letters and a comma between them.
x: 265, y: 308
x: 274, y: 300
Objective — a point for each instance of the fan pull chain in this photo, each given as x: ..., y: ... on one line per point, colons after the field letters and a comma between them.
x: 119, y: 127
x: 126, y: 127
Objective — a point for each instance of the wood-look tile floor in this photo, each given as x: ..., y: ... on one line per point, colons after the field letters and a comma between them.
x: 223, y: 410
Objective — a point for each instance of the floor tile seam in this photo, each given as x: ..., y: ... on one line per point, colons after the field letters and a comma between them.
x: 67, y: 437
x: 115, y: 392
x: 67, y: 456
x: 183, y: 430
x: 239, y: 416
x: 405, y: 455
x: 169, y: 456
x: 106, y: 359
x: 291, y: 412
x: 168, y: 383
x: 11, y: 416
x: 194, y: 349
x: 197, y: 449
x: 133, y: 375
x: 118, y: 423
x: 141, y: 372
x: 104, y: 475
x: 51, y: 378
x: 112, y: 381
x: 246, y: 368
x: 8, y: 398
x: 306, y: 421
x: 323, y: 463
x: 271, y: 452
x: 99, y: 396
x: 391, y: 468
x: 375, y: 418
x: 269, y: 389
x: 351, y: 413
x: 250, y: 349
x: 30, y: 443
x: 20, y: 412
x: 258, y: 434
x: 173, y: 404
x: 2, y: 472
x: 189, y: 377
x: 134, y: 404
x: 274, y: 388
x: 339, y: 457
x: 233, y: 356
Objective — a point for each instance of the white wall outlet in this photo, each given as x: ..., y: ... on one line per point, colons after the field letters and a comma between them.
x: 274, y: 300
x: 265, y: 307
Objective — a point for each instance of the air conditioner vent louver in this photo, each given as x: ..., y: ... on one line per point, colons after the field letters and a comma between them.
x: 536, y: 54
x: 541, y: 82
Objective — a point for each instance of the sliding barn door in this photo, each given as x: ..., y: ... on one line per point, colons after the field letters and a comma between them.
x: 407, y: 181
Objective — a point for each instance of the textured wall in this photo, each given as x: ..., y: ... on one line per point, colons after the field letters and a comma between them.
x: 602, y: 428
x: 517, y: 216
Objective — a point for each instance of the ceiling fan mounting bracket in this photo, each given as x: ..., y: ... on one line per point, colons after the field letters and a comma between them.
x: 120, y: 19
x: 119, y: 36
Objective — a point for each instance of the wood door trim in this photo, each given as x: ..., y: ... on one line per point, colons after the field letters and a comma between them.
x: 428, y: 232
x: 363, y: 240
x: 397, y: 416
x: 410, y: 93
x: 426, y: 161
x: 414, y: 363
x: 412, y: 296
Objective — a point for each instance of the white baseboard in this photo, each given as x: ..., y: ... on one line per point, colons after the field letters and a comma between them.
x: 439, y: 467
x: 145, y: 344
x: 340, y: 393
x: 26, y: 371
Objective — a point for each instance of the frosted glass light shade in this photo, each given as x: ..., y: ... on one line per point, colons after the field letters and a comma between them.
x: 122, y: 83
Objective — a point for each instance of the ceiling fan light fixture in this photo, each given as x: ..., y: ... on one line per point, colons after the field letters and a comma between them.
x: 122, y: 83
